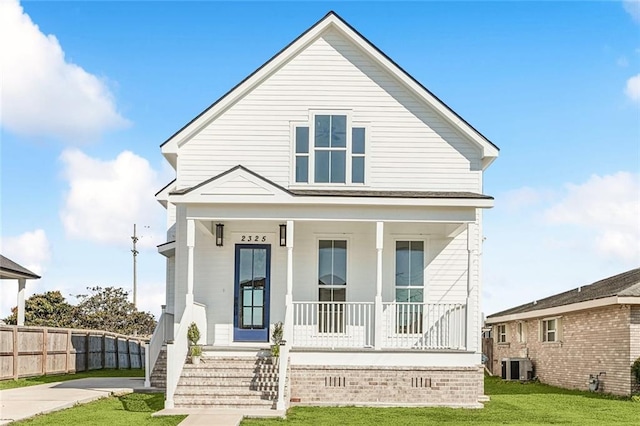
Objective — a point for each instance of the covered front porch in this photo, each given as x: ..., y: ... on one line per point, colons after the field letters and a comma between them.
x: 333, y: 284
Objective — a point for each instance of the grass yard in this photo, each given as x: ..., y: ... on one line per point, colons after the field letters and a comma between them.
x: 40, y: 380
x: 131, y: 409
x: 511, y: 403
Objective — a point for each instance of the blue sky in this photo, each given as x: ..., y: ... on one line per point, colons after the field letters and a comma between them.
x: 91, y: 89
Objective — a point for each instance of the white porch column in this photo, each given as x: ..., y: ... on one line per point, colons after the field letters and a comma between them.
x: 472, y: 296
x: 288, y: 320
x: 191, y: 242
x: 22, y: 282
x: 281, y: 404
x: 378, y: 300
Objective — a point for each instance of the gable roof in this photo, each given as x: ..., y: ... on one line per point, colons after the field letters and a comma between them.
x: 12, y: 270
x: 626, y: 284
x: 330, y: 20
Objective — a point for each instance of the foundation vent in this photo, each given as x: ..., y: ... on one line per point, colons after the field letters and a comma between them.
x: 420, y: 382
x: 335, y: 382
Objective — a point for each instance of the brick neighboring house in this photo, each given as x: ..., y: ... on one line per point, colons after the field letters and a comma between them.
x: 589, y: 330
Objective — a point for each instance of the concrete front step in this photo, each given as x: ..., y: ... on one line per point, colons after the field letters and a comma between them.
x: 222, y: 403
x: 228, y: 382
x: 223, y: 393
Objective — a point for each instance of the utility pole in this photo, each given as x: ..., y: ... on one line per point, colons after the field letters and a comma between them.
x: 135, y: 254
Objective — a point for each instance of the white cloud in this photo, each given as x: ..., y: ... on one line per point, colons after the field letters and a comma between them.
x: 42, y: 93
x: 524, y: 198
x: 31, y: 250
x: 105, y: 199
x: 633, y: 8
x: 607, y: 207
x: 633, y: 88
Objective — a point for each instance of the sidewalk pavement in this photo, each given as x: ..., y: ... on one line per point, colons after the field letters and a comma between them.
x: 25, y: 402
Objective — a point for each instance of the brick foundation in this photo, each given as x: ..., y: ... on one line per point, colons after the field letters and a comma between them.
x: 363, y: 385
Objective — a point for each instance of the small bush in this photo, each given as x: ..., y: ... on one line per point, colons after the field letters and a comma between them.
x: 193, y: 333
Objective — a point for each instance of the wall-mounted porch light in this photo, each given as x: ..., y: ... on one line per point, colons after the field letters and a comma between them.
x: 219, y: 234
x: 283, y: 235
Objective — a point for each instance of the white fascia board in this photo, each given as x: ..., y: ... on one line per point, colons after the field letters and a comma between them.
x: 7, y: 275
x: 629, y: 300
x: 286, y: 199
x: 488, y: 150
x: 163, y: 195
x: 167, y: 249
x: 558, y: 310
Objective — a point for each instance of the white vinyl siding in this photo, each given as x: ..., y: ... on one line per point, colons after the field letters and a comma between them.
x: 410, y: 146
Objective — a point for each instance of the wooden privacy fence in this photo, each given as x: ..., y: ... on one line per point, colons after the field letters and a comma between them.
x: 35, y: 351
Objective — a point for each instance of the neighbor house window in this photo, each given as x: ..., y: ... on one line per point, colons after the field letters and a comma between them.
x: 550, y: 329
x: 521, y: 327
x: 334, y: 152
x: 332, y: 283
x: 501, y: 333
x: 409, y: 286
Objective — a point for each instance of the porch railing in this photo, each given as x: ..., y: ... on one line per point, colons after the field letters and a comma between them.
x: 402, y: 325
x: 333, y: 324
x: 424, y: 325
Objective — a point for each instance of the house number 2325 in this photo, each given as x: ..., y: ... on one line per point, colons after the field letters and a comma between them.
x: 253, y: 238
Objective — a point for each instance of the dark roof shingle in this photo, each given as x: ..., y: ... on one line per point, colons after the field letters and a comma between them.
x: 624, y: 284
x: 9, y: 266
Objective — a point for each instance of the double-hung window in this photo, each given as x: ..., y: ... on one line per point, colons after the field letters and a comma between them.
x: 550, y: 330
x: 409, y: 286
x: 501, y: 332
x: 521, y: 327
x: 332, y: 283
x: 330, y: 151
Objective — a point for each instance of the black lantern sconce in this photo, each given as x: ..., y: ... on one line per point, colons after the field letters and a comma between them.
x: 219, y: 234
x: 283, y: 235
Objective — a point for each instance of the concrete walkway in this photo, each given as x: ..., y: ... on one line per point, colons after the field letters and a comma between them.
x: 217, y: 416
x: 25, y: 402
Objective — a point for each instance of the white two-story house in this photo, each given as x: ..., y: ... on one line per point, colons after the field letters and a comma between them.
x: 332, y: 192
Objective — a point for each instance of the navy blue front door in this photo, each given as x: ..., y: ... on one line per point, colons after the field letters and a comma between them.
x: 251, y: 294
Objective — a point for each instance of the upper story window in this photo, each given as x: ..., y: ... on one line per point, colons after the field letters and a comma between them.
x: 332, y: 152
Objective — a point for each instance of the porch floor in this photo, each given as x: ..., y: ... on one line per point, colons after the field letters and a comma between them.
x: 267, y: 348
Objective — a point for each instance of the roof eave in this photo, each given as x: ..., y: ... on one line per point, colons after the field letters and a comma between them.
x: 559, y: 310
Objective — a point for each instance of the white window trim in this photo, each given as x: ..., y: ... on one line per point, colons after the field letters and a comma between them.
x: 521, y: 331
x: 332, y: 237
x: 311, y: 155
x: 558, y: 330
x: 425, y: 279
x: 498, y: 334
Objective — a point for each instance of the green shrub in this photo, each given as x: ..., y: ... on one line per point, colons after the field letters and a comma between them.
x: 193, y: 333
x: 635, y: 369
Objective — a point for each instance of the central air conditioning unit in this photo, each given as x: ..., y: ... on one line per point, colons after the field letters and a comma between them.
x: 517, y: 369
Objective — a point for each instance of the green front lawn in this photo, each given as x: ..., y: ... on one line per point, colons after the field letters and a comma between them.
x: 132, y: 409
x: 511, y: 403
x: 40, y: 380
